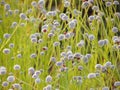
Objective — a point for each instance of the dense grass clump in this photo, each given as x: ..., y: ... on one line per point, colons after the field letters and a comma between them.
x: 59, y: 45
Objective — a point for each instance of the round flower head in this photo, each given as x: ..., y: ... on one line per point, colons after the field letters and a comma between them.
x: 59, y: 63
x: 14, y: 24
x: 34, y: 3
x: 91, y: 37
x: 17, y: 67
x: 108, y: 64
x: 16, y: 11
x: 11, y: 45
x: 31, y: 71
x: 108, y: 4
x: 50, y: 35
x: 106, y: 41
x: 48, y: 79
x: 67, y: 35
x: 101, y: 43
x: 34, y: 40
x: 53, y: 59
x: 77, y: 55
x: 91, y: 18
x: 98, y: 66
x: 70, y: 57
x: 35, y: 76
x: 61, y: 37
x: 91, y: 75
x: 10, y: 78
x: 42, y: 53
x: 115, y: 29
x: 38, y: 72
x: 95, y: 8
x: 117, y: 14
x: 37, y: 80
x: 85, y: 59
x: 19, y: 55
x: 56, y: 44
x: 105, y: 88
x: 6, y: 51
x: 16, y: 86
x: 72, y: 24
x: 41, y: 2
x: 81, y: 43
x: 33, y: 55
x: 66, y: 4
x: 85, y: 4
x: 23, y: 16
x: 51, y: 13
x: 2, y: 70
x: 49, y: 87
x: 6, y: 35
x: 115, y: 2
x: 5, y: 84
x: 117, y: 83
x: 7, y: 7
x: 80, y: 68
x: 22, y: 24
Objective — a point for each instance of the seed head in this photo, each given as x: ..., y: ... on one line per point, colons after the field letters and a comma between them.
x: 91, y: 75
x: 23, y: 16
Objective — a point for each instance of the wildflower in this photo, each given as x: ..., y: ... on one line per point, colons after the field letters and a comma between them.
x: 53, y: 59
x: 19, y: 55
x: 108, y: 4
x: 23, y: 16
x: 37, y: 80
x: 81, y: 43
x: 45, y: 48
x: 85, y: 59
x: 66, y: 4
x: 34, y: 3
x: 34, y: 40
x: 40, y: 40
x: 95, y: 8
x: 10, y: 78
x: 117, y: 83
x: 7, y: 7
x: 85, y: 4
x: 33, y: 55
x: 6, y: 51
x: 6, y: 35
x: 105, y: 88
x: 77, y: 55
x: 42, y: 53
x: 98, y: 66
x: 50, y: 35
x: 112, y: 66
x: 63, y: 16
x: 5, y: 84
x: 49, y: 87
x: 14, y: 24
x: 48, y: 79
x: 70, y: 57
x: 2, y: 70
x: 59, y: 63
x: 115, y: 29
x: 61, y: 37
x: 106, y: 41
x: 38, y: 72
x: 117, y: 14
x: 108, y: 64
x: 91, y: 75
x: 31, y: 71
x: 91, y: 37
x: 80, y: 68
x: 22, y: 24
x: 16, y: 86
x: 51, y: 13
x: 91, y: 18
x: 11, y: 45
x: 104, y: 69
x: 67, y: 36
x: 16, y: 11
x: 115, y: 2
x: 34, y: 76
x: 41, y: 2
x: 17, y: 67
x: 56, y: 44
x: 72, y: 24
x: 101, y: 43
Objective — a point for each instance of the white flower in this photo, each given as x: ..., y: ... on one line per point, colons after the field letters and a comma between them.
x: 91, y: 75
